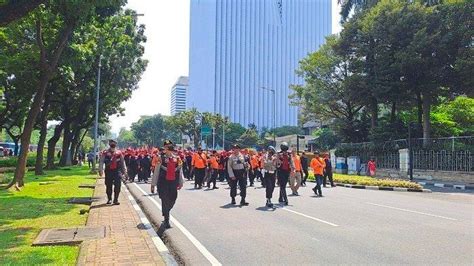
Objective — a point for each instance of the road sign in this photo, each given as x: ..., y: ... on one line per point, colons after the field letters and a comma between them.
x: 206, y: 131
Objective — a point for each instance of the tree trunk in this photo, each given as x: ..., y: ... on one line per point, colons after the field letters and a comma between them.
x: 16, y: 148
x: 419, y: 103
x: 67, y: 136
x: 42, y: 139
x: 426, y: 119
x: 393, y: 113
x: 374, y: 113
x: 47, y: 68
x: 52, y: 145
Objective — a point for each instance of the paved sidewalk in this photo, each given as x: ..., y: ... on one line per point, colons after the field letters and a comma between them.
x: 125, y: 243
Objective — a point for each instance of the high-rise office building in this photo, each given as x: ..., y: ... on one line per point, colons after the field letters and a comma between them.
x: 241, y: 50
x: 178, y: 95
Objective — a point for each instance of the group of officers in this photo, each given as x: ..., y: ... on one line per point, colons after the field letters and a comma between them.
x: 168, y: 167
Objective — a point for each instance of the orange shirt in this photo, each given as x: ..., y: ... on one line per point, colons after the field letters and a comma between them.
x: 214, y: 163
x: 199, y: 160
x: 155, y: 160
x: 297, y: 162
x: 254, y: 162
x: 318, y: 165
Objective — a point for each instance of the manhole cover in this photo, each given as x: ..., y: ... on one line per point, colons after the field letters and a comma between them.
x: 69, y: 236
x: 86, y: 186
x: 86, y: 201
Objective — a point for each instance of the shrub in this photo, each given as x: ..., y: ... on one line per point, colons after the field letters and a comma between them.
x: 12, y: 162
x: 370, y: 181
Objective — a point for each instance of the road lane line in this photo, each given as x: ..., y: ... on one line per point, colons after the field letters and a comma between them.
x: 185, y: 231
x: 417, y: 212
x: 310, y: 217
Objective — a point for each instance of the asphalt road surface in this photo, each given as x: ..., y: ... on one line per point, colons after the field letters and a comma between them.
x: 347, y: 226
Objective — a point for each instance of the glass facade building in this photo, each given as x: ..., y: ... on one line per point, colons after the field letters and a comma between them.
x: 239, y: 47
x: 178, y: 95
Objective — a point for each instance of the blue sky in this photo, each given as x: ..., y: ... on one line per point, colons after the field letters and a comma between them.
x: 167, y: 49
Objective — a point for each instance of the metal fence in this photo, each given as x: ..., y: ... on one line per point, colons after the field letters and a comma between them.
x: 442, y: 154
x: 459, y: 161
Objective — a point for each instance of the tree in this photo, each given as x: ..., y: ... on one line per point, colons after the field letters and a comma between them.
x: 126, y: 138
x: 454, y: 118
x: 13, y: 10
x: 288, y: 130
x: 52, y: 27
x: 149, y: 130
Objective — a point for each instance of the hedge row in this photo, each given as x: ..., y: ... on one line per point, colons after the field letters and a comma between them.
x: 12, y: 162
x: 370, y: 181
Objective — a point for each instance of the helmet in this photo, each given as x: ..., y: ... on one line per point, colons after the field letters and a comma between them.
x: 284, y: 146
x: 272, y: 149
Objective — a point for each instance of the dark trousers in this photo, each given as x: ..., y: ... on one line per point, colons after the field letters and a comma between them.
x: 213, y: 179
x: 222, y: 175
x: 168, y: 193
x: 112, y: 179
x: 241, y: 179
x: 319, y: 181
x: 89, y: 162
x: 328, y: 174
x: 199, y: 173
x: 269, y: 184
x: 131, y: 174
x: 305, y: 176
x: 283, y: 180
x: 252, y: 175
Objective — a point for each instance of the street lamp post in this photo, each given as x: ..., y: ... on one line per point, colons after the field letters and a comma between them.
x: 96, y: 122
x: 274, y: 111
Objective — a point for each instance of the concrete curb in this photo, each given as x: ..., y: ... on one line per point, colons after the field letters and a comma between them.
x: 399, y: 189
x: 159, y: 244
x: 461, y: 187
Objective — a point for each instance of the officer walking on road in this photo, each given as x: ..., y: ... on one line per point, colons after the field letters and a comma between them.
x: 112, y: 163
x: 285, y: 168
x: 237, y: 168
x: 168, y: 178
x: 270, y: 166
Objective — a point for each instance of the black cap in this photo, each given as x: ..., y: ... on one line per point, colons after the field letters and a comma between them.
x: 236, y: 146
x: 112, y: 140
x: 167, y: 142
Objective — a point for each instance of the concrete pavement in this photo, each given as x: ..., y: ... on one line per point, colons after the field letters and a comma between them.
x: 346, y: 226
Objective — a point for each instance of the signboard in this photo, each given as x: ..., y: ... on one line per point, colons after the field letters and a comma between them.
x: 206, y: 131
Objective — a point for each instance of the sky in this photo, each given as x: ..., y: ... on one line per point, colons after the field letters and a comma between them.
x: 167, y: 52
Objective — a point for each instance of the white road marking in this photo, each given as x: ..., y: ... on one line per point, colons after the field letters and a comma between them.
x: 185, y: 231
x: 310, y: 217
x: 417, y: 212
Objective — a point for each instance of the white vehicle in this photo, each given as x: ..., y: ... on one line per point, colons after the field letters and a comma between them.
x: 1, y: 151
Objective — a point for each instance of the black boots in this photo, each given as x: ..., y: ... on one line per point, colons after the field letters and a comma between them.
x: 243, y: 203
x: 233, y: 201
x: 269, y: 203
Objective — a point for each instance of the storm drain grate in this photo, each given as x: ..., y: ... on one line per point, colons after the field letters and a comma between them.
x: 69, y: 236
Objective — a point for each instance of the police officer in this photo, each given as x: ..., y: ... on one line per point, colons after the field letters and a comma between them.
x: 112, y: 163
x: 237, y: 168
x: 168, y: 178
x: 285, y: 168
x: 270, y: 165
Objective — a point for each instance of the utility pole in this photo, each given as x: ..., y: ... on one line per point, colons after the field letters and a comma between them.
x: 274, y: 111
x: 96, y: 122
x: 213, y: 138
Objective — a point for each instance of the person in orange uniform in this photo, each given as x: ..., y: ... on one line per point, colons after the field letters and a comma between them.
x: 254, y: 167
x: 214, y: 164
x: 318, y: 165
x: 199, y: 164
x: 295, y: 178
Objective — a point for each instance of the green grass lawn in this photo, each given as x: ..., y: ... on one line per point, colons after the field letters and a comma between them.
x: 370, y: 181
x: 24, y: 213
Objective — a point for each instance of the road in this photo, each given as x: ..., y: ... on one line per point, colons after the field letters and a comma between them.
x: 347, y: 226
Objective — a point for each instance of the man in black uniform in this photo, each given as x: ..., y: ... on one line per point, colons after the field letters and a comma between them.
x: 145, y: 167
x: 168, y: 178
x: 112, y: 163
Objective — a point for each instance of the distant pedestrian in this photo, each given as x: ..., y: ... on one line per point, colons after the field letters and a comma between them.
x: 90, y: 159
x: 318, y: 165
x: 112, y: 163
x: 168, y: 178
x: 285, y: 168
x: 296, y: 175
x: 199, y: 165
x: 328, y: 171
x: 237, y: 168
x: 214, y: 168
x: 304, y: 167
x: 270, y: 162
x: 371, y: 167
